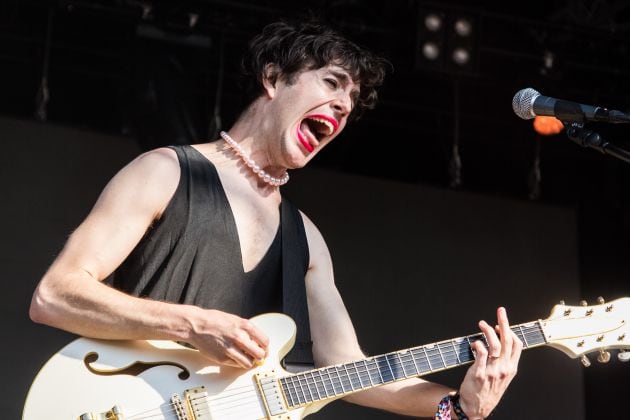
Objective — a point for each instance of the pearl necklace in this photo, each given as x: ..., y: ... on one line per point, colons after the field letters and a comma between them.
x: 264, y: 176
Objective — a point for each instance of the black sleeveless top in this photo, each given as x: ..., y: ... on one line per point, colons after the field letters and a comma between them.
x: 192, y: 255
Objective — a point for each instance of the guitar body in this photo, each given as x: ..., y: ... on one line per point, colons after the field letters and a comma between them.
x: 75, y: 381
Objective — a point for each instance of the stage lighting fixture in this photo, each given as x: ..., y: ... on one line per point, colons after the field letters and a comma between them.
x: 461, y: 56
x: 430, y: 39
x: 193, y: 18
x: 431, y: 51
x: 446, y: 42
x: 433, y: 22
x: 463, y: 27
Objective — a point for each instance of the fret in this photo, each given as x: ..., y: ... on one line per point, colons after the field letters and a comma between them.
x: 382, y: 364
x: 402, y: 365
x: 298, y: 400
x: 392, y: 368
x: 436, y: 358
x: 326, y: 380
x: 456, y: 353
x: 341, y: 380
x: 319, y: 396
x: 304, y: 398
x: 362, y: 372
x: 358, y: 375
x: 427, y: 357
x: 287, y: 391
x: 470, y: 345
x: 421, y: 359
x: 308, y: 388
x: 409, y: 364
x: 414, y: 362
x: 345, y: 368
x: 332, y: 381
x: 447, y: 358
x: 367, y: 369
x: 523, y: 336
x: 291, y: 392
x: 389, y: 366
x: 375, y: 373
x: 396, y: 362
x: 464, y: 350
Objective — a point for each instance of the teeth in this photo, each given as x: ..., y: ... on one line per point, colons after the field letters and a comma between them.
x: 327, y: 123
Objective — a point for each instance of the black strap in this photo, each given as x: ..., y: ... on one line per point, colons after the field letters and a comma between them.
x: 295, y: 259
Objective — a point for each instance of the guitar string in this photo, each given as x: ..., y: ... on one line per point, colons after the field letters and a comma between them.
x: 432, y: 354
x: 533, y: 329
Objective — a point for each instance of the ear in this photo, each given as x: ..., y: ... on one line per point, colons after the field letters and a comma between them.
x: 269, y: 79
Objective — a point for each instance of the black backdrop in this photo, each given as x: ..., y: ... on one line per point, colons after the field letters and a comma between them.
x: 414, y: 264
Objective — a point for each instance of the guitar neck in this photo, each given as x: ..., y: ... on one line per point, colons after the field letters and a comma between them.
x: 336, y: 381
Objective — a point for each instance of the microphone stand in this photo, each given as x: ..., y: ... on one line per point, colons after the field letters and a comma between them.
x: 588, y: 138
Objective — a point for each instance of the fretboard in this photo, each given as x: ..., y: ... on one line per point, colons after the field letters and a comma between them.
x: 335, y: 381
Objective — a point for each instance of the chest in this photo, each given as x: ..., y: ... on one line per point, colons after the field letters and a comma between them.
x: 257, y: 220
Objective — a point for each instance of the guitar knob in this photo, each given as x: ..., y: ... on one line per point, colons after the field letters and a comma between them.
x: 585, y: 361
x: 623, y: 356
x: 583, y: 303
x: 603, y: 357
x: 600, y: 300
x: 561, y: 303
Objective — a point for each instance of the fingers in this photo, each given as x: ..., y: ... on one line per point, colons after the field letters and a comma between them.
x: 239, y: 358
x: 505, y: 332
x: 494, y: 345
x: 246, y: 344
x: 257, y: 336
x: 230, y: 340
x: 481, y: 355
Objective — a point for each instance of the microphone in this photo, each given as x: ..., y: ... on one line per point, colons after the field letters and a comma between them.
x: 529, y: 103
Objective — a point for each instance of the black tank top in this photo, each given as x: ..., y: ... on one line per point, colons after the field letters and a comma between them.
x: 192, y: 255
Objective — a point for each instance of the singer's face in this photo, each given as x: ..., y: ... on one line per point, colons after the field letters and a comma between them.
x: 310, y: 110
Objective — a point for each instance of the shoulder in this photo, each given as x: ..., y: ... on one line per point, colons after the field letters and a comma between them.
x: 149, y: 181
x: 159, y: 167
x: 162, y: 161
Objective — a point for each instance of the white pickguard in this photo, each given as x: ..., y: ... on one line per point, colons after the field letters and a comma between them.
x: 65, y: 388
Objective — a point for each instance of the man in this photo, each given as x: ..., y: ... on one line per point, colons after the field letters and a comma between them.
x: 194, y: 234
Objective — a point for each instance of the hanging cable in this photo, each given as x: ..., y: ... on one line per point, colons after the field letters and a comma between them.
x: 43, y: 93
x: 455, y: 165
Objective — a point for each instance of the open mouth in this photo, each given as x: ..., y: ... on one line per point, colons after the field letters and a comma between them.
x: 314, y: 128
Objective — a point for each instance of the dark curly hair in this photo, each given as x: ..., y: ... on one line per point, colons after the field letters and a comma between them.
x: 309, y: 46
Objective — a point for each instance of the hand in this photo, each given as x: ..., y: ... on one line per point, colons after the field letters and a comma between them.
x: 493, y: 370
x: 227, y: 339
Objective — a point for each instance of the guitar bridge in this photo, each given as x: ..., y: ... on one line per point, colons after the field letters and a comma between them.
x: 194, y: 406
x: 114, y: 414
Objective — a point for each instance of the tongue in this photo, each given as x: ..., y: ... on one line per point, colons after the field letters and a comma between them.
x: 306, y: 129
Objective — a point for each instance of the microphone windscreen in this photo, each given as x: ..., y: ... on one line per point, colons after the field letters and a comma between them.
x: 523, y: 103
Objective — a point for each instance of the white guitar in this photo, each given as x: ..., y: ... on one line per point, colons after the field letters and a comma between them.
x: 133, y: 380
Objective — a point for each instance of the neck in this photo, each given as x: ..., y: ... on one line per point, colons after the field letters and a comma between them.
x: 253, y: 166
x: 250, y: 135
x: 335, y: 381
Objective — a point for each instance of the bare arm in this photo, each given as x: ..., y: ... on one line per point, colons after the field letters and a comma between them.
x: 71, y: 295
x: 335, y: 341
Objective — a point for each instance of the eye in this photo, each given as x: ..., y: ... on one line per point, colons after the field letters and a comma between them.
x: 332, y: 82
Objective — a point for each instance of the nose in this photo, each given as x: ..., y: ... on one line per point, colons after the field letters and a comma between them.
x: 343, y: 104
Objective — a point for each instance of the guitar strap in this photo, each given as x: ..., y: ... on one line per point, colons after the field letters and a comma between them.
x: 295, y: 260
